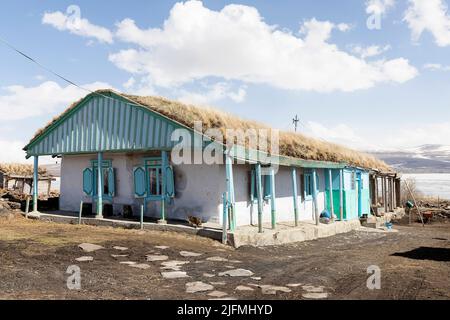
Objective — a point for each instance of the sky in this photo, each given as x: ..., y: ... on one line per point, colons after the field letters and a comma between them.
x: 372, y: 75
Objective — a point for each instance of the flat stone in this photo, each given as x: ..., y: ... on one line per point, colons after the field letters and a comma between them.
x: 217, y: 259
x: 315, y: 295
x: 218, y: 283
x: 190, y: 254
x: 269, y: 289
x: 173, y: 265
x: 235, y: 261
x: 127, y: 262
x: 162, y: 247
x: 256, y: 278
x: 230, y: 267
x: 313, y: 289
x: 119, y: 255
x: 140, y: 266
x: 225, y: 298
x: 84, y: 259
x: 237, y: 273
x: 120, y: 248
x: 156, y: 257
x: 209, y: 275
x: 244, y: 288
x: 174, y: 274
x: 89, y: 247
x: 198, y: 286
x: 217, y: 294
x: 293, y: 285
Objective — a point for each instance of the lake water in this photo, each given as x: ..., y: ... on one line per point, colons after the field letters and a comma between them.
x: 432, y: 184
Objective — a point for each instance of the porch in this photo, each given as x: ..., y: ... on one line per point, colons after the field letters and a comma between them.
x: 286, y: 232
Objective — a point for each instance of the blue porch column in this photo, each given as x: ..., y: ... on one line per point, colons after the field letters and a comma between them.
x: 314, y: 194
x: 35, y: 184
x: 341, y: 194
x: 165, y: 162
x: 295, y: 195
x: 273, y: 198
x: 260, y: 197
x: 330, y: 175
x: 230, y: 190
x: 99, y: 186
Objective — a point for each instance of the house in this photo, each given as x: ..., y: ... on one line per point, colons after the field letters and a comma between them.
x: 247, y: 179
x: 18, y: 178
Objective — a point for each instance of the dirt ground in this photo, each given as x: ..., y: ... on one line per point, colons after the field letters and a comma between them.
x: 34, y: 257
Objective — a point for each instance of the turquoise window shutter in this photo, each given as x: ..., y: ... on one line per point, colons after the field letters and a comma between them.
x: 140, y: 191
x: 267, y: 186
x: 253, y: 191
x: 170, y: 184
x: 111, y: 182
x: 88, y: 181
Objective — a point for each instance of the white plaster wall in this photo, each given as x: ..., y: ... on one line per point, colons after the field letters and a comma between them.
x: 199, y: 190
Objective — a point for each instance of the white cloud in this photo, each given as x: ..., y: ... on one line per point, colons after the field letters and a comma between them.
x: 340, y: 133
x: 214, y: 93
x: 236, y: 44
x: 416, y: 134
x: 12, y: 151
x: 436, y: 67
x: 379, y: 7
x: 78, y: 26
x: 370, y: 51
x: 48, y: 97
x: 431, y: 16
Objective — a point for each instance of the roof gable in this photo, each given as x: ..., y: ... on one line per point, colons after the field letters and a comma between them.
x: 104, y: 122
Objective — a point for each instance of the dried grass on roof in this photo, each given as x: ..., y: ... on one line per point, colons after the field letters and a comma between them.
x: 291, y: 144
x: 20, y: 169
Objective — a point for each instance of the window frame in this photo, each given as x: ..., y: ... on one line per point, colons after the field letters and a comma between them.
x: 106, y: 165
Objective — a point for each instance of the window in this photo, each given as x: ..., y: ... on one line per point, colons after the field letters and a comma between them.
x: 265, y: 185
x: 353, y: 181
x: 152, y: 178
x: 308, y: 184
x: 90, y: 179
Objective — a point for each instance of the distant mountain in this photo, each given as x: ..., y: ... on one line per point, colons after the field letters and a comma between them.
x: 429, y: 158
x: 53, y: 169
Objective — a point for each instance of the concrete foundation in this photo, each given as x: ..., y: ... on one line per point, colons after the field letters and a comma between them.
x: 285, y: 233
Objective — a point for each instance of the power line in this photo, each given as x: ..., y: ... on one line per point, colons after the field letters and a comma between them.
x: 26, y: 56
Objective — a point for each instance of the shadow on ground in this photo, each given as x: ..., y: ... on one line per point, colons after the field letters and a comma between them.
x: 426, y: 253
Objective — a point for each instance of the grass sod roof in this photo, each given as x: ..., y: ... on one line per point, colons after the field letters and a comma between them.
x: 19, y: 169
x: 291, y: 144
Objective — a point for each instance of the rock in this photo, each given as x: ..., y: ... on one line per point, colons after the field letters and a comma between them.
x: 119, y: 256
x: 237, y: 273
x: 294, y: 285
x: 173, y: 265
x: 313, y: 289
x: 209, y: 275
x: 218, y: 283
x: 84, y: 259
x: 217, y: 294
x: 140, y: 266
x: 120, y: 248
x: 162, y: 247
x: 127, y: 262
x: 235, y: 261
x: 243, y: 288
x: 217, y: 259
x: 226, y: 298
x: 198, y: 286
x: 156, y: 257
x: 174, y: 275
x: 189, y: 254
x: 315, y: 295
x: 256, y: 278
x: 89, y: 247
x: 269, y: 289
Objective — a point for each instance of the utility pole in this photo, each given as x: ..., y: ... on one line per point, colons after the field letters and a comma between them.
x: 295, y: 122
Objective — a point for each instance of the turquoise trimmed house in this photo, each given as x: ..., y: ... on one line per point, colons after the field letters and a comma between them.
x: 135, y: 142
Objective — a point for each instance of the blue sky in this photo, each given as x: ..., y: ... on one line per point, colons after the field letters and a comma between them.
x: 383, y: 88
